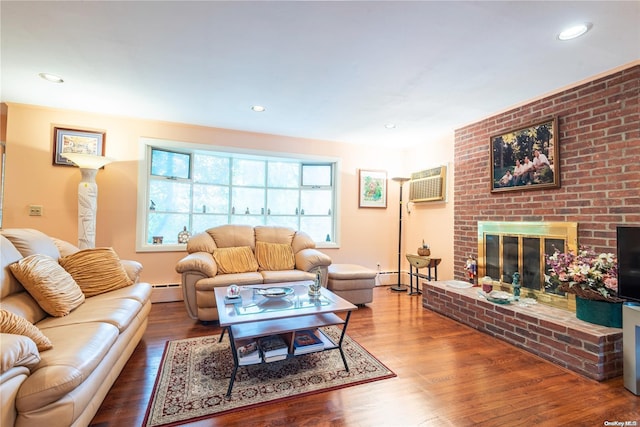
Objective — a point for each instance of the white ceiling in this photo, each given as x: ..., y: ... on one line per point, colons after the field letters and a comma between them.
x: 332, y: 70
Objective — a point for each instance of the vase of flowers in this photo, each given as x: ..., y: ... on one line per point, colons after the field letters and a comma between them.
x: 593, y: 279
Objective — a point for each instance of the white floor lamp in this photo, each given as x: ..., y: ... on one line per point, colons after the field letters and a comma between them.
x: 87, y: 195
x: 400, y: 287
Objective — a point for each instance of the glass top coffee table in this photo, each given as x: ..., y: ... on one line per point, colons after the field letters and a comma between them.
x: 281, y: 309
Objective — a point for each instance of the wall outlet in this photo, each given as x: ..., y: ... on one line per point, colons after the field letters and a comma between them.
x: 35, y: 210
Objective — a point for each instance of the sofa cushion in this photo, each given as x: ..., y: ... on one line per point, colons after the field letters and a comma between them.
x: 235, y: 260
x: 11, y: 323
x: 96, y: 271
x: 65, y: 248
x: 18, y: 350
x: 119, y: 312
x: 232, y: 235
x: 30, y: 242
x: 48, y: 283
x: 273, y: 234
x: 274, y: 256
x: 77, y: 351
x: 8, y: 255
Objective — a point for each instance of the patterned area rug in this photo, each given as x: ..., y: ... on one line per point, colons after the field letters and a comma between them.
x: 194, y: 375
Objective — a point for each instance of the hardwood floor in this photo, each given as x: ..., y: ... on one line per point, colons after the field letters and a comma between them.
x: 448, y: 375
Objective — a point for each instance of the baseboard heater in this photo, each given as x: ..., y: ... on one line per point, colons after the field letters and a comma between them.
x: 166, y: 292
x: 388, y: 278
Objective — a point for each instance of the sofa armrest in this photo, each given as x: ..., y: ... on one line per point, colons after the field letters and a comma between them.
x: 198, y: 262
x: 310, y: 259
x: 133, y: 269
x: 18, y: 350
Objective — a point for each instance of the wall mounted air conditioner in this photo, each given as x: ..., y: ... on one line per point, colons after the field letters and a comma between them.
x: 428, y: 185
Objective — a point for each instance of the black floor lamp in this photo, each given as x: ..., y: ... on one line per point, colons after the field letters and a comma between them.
x: 400, y: 287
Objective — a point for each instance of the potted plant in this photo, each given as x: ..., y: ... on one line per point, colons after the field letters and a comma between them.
x: 593, y: 279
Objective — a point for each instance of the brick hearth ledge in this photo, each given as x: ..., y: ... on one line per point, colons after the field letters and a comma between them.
x: 551, y: 333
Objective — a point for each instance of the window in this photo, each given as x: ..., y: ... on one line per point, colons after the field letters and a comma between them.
x: 197, y: 188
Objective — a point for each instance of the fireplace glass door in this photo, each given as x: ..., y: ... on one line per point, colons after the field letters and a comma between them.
x: 506, y: 249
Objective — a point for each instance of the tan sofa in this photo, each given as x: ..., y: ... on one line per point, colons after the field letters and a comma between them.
x: 66, y: 384
x: 201, y: 269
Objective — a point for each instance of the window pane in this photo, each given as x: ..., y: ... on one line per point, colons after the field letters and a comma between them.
x: 247, y: 219
x: 210, y: 199
x: 166, y: 225
x: 170, y: 164
x: 247, y: 201
x: 282, y: 202
x: 283, y: 174
x: 203, y: 222
x: 170, y: 196
x: 317, y: 227
x: 316, y: 202
x: 316, y: 175
x: 248, y: 172
x: 211, y: 169
x: 283, y: 221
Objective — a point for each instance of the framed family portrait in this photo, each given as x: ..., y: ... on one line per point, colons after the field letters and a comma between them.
x: 76, y: 141
x: 526, y: 158
x: 372, y: 188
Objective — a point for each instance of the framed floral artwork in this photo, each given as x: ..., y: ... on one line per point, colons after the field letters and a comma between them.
x: 372, y: 188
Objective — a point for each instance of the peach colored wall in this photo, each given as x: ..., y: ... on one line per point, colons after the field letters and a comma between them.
x: 431, y: 221
x: 368, y: 236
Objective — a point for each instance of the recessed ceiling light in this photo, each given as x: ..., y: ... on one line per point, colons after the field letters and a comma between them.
x: 51, y: 78
x: 574, y: 31
x: 258, y: 108
x: 390, y: 125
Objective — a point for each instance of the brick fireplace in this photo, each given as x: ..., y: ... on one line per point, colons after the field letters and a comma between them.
x: 599, y: 142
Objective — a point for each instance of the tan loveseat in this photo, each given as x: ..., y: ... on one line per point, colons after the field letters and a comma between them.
x: 65, y: 384
x: 223, y: 255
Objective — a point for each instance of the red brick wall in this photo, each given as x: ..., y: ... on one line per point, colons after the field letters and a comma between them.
x: 599, y: 129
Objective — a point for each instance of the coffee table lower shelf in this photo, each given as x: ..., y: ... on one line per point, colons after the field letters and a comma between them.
x: 285, y: 326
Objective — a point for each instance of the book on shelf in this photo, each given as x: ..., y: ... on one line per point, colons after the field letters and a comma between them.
x: 306, y: 341
x: 248, y: 353
x: 273, y: 345
x: 275, y: 358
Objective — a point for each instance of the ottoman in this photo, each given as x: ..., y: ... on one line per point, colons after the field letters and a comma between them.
x: 352, y: 282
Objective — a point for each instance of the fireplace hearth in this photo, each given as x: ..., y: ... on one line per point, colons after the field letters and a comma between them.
x: 551, y: 333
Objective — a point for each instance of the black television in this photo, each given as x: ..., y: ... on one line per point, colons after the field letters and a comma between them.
x: 628, y: 248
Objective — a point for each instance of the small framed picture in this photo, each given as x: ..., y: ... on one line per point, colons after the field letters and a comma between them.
x: 372, y: 188
x: 76, y: 141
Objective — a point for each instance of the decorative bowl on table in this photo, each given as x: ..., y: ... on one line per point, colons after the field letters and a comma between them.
x: 275, y: 292
x: 499, y: 297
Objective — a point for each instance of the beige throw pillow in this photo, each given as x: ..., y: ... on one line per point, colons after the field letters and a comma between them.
x: 11, y: 323
x: 235, y: 260
x: 96, y: 271
x: 49, y: 284
x: 275, y: 256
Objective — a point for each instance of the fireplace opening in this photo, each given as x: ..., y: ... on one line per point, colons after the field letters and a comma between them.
x: 508, y: 247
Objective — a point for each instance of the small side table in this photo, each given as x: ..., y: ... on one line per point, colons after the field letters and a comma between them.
x: 418, y: 262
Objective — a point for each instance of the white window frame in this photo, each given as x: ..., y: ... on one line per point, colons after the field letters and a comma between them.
x: 144, y: 165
